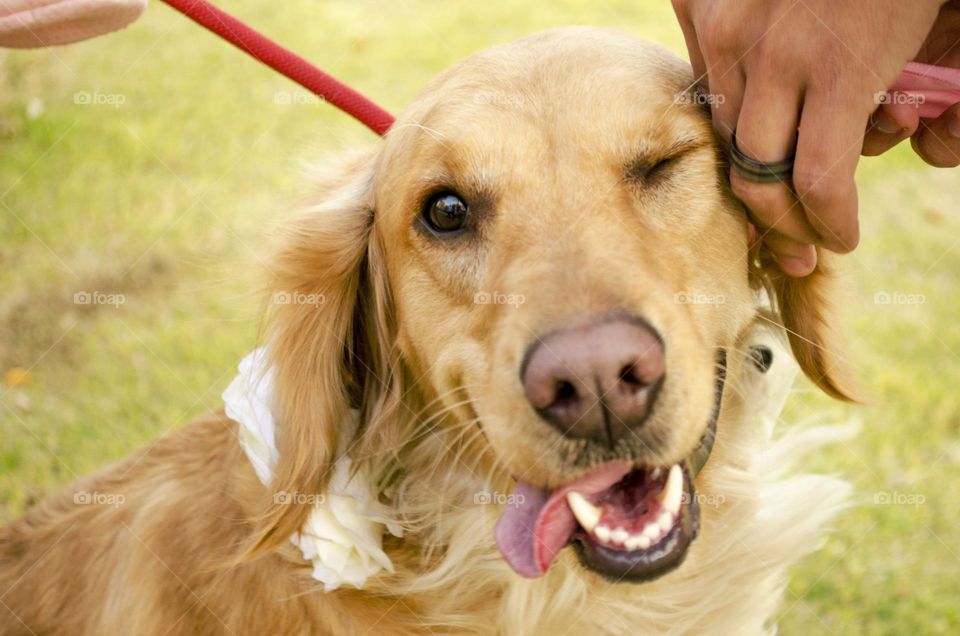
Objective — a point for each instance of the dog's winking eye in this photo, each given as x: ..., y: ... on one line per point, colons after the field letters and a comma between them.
x: 445, y: 212
x: 646, y: 172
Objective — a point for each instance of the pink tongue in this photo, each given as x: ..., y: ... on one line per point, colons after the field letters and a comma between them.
x: 531, y: 531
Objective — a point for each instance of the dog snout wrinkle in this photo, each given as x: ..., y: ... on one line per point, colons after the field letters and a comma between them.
x: 597, y: 381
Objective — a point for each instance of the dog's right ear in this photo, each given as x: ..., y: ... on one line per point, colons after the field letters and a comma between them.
x: 316, y: 276
x: 804, y: 307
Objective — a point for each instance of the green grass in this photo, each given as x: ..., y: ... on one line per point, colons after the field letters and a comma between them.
x: 166, y: 198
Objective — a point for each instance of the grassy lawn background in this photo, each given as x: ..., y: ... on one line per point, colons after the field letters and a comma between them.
x: 166, y: 198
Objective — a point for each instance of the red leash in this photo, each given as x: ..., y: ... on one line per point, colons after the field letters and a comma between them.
x: 933, y: 88
x: 285, y: 62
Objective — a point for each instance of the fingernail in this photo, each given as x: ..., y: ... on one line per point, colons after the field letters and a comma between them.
x: 954, y: 127
x: 793, y: 266
x: 886, y: 125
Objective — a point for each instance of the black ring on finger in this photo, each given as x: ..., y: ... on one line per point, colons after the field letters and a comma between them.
x: 758, y: 171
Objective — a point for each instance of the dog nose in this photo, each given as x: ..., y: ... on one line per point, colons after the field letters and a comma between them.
x: 597, y: 381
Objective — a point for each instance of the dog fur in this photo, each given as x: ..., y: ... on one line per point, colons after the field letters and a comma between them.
x: 557, y: 141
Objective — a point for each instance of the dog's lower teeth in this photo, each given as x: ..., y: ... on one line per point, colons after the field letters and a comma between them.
x: 637, y: 542
x: 602, y: 533
x: 652, y: 531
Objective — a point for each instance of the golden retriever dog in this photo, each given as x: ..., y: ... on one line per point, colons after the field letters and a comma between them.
x: 538, y: 337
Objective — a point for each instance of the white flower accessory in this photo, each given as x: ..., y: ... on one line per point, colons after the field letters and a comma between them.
x: 343, y: 536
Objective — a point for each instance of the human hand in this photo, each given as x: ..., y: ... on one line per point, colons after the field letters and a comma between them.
x: 800, y: 79
x: 937, y: 141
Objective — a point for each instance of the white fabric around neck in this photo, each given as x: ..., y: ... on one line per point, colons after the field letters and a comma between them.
x: 343, y: 536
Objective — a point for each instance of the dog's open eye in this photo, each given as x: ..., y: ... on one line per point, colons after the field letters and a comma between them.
x: 445, y: 212
x: 762, y: 357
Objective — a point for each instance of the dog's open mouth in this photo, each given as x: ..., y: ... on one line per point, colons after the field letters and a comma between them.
x: 640, y: 527
x: 627, y: 523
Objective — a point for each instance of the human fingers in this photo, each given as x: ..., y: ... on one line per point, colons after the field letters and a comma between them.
x: 828, y: 149
x: 794, y: 258
x: 766, y: 133
x: 888, y: 126
x: 938, y: 140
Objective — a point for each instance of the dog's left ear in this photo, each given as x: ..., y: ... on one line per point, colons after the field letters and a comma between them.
x: 328, y: 312
x: 804, y: 305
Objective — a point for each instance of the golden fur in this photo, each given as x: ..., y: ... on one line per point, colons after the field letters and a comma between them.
x: 553, y: 139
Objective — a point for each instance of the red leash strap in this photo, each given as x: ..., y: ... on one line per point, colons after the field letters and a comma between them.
x: 285, y: 62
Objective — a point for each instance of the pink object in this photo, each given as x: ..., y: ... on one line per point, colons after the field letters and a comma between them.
x: 933, y: 89
x: 38, y: 23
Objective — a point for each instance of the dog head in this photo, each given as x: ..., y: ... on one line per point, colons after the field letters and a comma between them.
x: 544, y: 249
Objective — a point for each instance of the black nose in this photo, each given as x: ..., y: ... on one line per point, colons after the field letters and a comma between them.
x: 596, y: 381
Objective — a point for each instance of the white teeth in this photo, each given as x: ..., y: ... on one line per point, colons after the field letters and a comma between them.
x: 652, y: 531
x: 665, y: 520
x: 637, y: 542
x: 656, y: 473
x: 586, y: 513
x: 672, y: 491
x: 602, y: 533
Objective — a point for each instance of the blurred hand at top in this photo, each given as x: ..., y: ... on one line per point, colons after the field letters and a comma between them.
x: 800, y: 78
